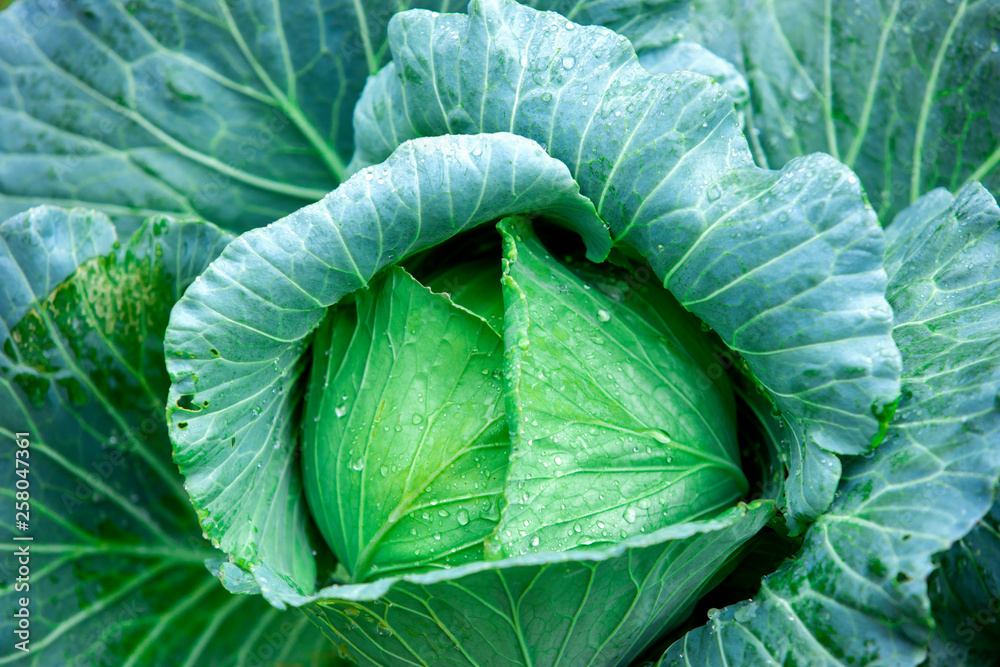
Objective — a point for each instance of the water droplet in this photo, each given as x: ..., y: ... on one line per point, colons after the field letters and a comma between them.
x: 713, y: 192
x: 568, y: 62
x: 340, y: 410
x: 800, y: 89
x: 603, y: 315
x: 629, y: 515
x: 417, y: 418
x: 535, y: 541
x: 358, y: 464
x: 462, y: 517
x: 444, y: 513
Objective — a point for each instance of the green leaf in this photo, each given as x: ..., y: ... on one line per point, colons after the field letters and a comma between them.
x: 235, y: 112
x: 41, y: 248
x: 965, y: 597
x: 406, y: 444
x: 785, y: 266
x: 237, y: 339
x: 475, y: 286
x: 685, y: 55
x: 857, y: 592
x: 648, y: 24
x: 117, y: 560
x: 903, y: 92
x: 205, y: 109
x: 594, y: 606
x: 617, y: 429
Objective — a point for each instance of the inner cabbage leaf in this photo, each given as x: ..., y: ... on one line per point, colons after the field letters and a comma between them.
x: 617, y: 427
x: 405, y: 446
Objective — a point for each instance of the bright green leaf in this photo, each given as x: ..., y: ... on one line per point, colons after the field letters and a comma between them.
x: 617, y: 427
x: 405, y: 445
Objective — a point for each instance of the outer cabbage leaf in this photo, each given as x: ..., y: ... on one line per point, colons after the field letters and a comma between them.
x: 857, y: 592
x: 786, y: 266
x: 649, y: 24
x: 236, y: 112
x: 117, y: 560
x: 903, y: 92
x: 686, y: 55
x: 236, y: 340
x: 965, y: 597
x: 578, y: 607
x: 617, y: 429
x: 41, y: 248
x: 405, y: 446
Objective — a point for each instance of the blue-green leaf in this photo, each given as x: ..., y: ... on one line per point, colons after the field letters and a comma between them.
x: 117, y: 573
x: 41, y: 248
x: 235, y: 112
x: 903, y: 92
x: 685, y: 55
x: 965, y: 598
x: 581, y: 607
x: 857, y: 592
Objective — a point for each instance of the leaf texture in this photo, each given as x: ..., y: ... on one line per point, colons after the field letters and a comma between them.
x: 617, y: 427
x: 903, y: 92
x: 857, y: 592
x: 237, y: 339
x: 405, y: 445
x: 117, y: 574
x: 785, y: 266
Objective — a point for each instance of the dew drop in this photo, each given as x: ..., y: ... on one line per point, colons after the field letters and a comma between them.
x: 603, y: 315
x: 463, y: 517
x: 568, y: 62
x: 800, y: 89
